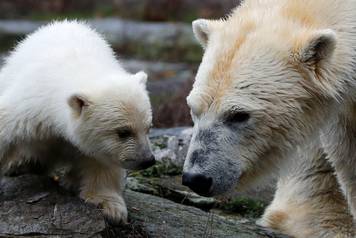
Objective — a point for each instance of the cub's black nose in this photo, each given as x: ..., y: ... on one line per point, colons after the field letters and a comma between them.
x: 148, y: 163
x: 199, y: 183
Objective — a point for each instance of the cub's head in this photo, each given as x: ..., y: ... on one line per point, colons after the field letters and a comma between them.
x: 259, y: 92
x: 111, y: 122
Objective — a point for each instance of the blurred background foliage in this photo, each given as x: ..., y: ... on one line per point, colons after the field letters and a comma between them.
x: 155, y: 36
x: 142, y: 10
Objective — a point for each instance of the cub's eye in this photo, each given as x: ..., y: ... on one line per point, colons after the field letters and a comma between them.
x: 237, y: 117
x: 124, y: 133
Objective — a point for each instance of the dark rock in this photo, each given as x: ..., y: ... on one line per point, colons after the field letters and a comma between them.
x: 35, y: 206
x: 53, y: 212
x: 163, y: 218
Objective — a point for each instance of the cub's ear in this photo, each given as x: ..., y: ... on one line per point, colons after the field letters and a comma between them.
x: 77, y: 102
x: 201, y: 29
x: 319, y: 46
x: 141, y: 77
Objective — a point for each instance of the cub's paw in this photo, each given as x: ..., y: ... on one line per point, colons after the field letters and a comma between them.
x: 113, y: 207
x: 115, y: 212
x: 261, y: 222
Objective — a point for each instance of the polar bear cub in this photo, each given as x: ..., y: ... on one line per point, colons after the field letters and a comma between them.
x: 65, y: 97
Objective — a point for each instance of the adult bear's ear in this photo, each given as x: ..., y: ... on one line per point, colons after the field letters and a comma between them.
x: 78, y: 102
x: 318, y: 46
x: 202, y: 29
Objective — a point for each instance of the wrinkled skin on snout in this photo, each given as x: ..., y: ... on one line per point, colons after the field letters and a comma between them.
x: 208, y: 158
x: 229, y: 150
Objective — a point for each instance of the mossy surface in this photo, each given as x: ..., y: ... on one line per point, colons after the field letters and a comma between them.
x: 243, y: 206
x: 159, y: 142
x: 165, y: 182
x: 158, y: 170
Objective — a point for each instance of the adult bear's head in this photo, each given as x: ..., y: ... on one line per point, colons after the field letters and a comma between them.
x: 261, y: 90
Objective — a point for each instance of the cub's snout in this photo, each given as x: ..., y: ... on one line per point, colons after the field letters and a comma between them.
x: 147, y: 163
x: 139, y: 162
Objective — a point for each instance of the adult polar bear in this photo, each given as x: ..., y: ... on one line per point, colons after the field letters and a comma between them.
x: 276, y: 76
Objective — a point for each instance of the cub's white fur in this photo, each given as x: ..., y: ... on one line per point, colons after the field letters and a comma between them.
x: 65, y: 97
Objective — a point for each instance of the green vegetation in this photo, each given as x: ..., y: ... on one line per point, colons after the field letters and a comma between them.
x: 188, y: 16
x: 244, y: 206
x: 158, y: 170
x: 7, y: 42
x: 152, y: 178
x: 161, y: 143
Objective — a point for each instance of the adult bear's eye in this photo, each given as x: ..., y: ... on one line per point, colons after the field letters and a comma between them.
x: 237, y: 117
x: 124, y: 133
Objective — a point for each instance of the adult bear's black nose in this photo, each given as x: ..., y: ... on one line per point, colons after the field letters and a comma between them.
x: 199, y: 183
